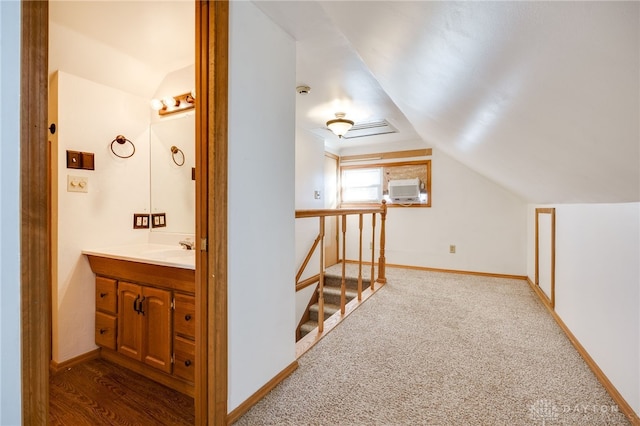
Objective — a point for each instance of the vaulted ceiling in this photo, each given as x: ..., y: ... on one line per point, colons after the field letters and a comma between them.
x: 541, y: 97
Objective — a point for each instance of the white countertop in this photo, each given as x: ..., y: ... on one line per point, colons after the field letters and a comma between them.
x: 155, y: 254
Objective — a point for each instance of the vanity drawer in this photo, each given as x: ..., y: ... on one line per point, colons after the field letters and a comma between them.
x: 106, y: 330
x: 184, y: 352
x: 184, y: 317
x: 106, y: 294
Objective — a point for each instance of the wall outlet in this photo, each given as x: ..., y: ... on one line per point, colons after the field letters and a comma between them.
x: 77, y: 183
x: 140, y: 220
x: 158, y: 220
x: 452, y: 248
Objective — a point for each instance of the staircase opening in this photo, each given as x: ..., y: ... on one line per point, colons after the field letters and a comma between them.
x: 336, y: 293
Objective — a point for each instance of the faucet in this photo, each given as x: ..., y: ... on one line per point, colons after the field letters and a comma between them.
x: 188, y: 244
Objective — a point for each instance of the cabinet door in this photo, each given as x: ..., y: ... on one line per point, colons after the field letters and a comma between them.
x: 129, y: 320
x: 156, y: 328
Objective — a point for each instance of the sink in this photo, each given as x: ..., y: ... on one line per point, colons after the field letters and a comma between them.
x: 169, y: 253
x: 158, y: 254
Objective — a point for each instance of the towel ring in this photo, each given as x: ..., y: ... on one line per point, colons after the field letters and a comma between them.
x: 122, y: 140
x: 175, y: 150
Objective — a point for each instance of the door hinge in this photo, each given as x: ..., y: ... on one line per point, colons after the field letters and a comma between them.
x: 203, y: 244
x: 173, y: 358
x: 173, y: 303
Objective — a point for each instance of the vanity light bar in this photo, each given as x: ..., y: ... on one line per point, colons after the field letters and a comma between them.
x: 174, y: 104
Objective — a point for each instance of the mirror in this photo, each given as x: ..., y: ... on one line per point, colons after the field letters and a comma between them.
x: 172, y: 186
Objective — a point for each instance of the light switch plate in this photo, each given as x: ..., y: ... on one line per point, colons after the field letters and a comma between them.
x: 77, y: 183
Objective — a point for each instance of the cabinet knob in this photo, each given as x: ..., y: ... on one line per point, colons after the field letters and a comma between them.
x: 103, y: 330
x: 187, y: 317
x: 103, y: 294
x: 187, y: 362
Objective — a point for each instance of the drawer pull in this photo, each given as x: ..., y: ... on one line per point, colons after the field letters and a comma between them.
x: 103, y: 294
x: 103, y: 330
x: 187, y: 362
x: 187, y: 317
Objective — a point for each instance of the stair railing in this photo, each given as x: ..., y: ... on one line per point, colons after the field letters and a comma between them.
x: 322, y: 214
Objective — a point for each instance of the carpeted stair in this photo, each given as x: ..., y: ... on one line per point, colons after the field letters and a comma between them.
x: 332, y: 291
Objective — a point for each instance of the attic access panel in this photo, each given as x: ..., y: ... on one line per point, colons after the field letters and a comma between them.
x: 371, y: 128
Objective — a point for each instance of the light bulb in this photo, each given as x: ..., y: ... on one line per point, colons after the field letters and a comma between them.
x: 170, y: 102
x: 156, y: 104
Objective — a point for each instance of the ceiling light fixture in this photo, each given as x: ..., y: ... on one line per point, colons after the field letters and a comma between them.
x: 339, y: 126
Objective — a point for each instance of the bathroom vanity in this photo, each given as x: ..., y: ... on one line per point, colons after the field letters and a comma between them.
x: 145, y: 311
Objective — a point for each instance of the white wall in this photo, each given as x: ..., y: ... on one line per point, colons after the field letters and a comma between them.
x: 485, y: 222
x: 261, y: 203
x: 597, y: 285
x: 90, y: 115
x: 309, y: 170
x: 309, y: 178
x: 88, y: 58
x: 10, y: 365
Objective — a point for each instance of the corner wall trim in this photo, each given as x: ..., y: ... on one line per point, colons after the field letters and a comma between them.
x: 260, y: 393
x: 55, y: 367
x: 625, y: 408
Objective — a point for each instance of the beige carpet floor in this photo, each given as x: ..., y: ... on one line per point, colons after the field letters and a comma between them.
x: 442, y: 349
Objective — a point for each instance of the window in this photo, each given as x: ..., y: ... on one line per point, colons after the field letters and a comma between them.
x: 369, y: 184
x: 362, y: 185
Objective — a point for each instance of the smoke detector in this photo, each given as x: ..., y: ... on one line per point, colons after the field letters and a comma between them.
x: 303, y: 90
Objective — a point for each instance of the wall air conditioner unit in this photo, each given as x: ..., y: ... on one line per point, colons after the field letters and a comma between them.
x: 404, y: 190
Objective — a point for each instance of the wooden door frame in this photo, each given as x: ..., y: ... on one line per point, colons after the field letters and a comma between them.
x: 35, y: 210
x: 212, y: 27
x: 549, y: 300
x: 212, y: 65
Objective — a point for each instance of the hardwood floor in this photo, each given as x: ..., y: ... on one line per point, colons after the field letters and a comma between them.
x: 98, y: 392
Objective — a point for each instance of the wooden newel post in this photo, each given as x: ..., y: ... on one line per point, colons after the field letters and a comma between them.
x: 373, y: 250
x: 343, y: 285
x: 360, y: 258
x: 382, y: 278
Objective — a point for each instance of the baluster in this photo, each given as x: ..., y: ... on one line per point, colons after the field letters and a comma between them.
x: 360, y: 259
x: 321, y: 283
x: 382, y: 279
x: 373, y: 249
x: 343, y: 286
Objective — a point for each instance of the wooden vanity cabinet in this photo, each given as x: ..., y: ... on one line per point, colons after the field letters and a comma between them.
x: 145, y: 319
x: 144, y: 329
